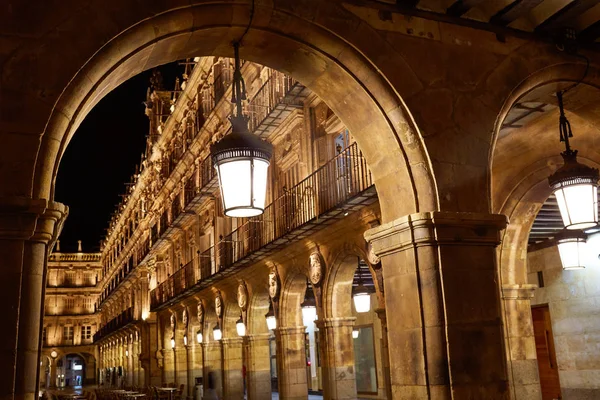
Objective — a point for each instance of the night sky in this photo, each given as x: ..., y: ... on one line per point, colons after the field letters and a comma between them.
x: 101, y: 157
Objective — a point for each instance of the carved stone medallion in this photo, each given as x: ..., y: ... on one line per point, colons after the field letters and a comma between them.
x: 371, y: 256
x: 316, y: 267
x: 184, y: 318
x: 200, y: 313
x: 219, y: 305
x: 273, y: 283
x: 242, y: 296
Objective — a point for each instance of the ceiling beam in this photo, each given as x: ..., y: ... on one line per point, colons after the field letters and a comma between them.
x: 460, y: 7
x: 562, y: 17
x: 514, y: 11
x: 590, y: 34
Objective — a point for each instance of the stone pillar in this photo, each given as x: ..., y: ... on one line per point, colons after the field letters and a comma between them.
x: 190, y: 368
x: 337, y: 362
x: 257, y: 359
x: 291, y: 363
x: 233, y: 381
x: 211, y: 362
x: 53, y: 372
x: 136, y: 362
x: 27, y: 227
x: 181, y: 363
x: 149, y: 354
x: 385, y: 356
x: 445, y: 336
x: 520, y: 341
x: 168, y: 366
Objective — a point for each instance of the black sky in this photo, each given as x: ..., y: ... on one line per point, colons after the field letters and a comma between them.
x: 101, y: 157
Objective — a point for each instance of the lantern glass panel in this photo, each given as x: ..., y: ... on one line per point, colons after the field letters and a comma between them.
x: 362, y: 302
x: 572, y: 253
x: 578, y: 205
x: 271, y: 322
x: 235, y: 179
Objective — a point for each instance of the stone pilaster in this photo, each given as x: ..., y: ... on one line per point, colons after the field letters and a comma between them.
x: 212, y: 362
x: 190, y: 368
x: 446, y: 334
x: 233, y: 381
x: 291, y: 363
x: 27, y: 228
x: 520, y: 341
x: 385, y: 355
x: 258, y: 366
x: 168, y: 366
x: 337, y: 362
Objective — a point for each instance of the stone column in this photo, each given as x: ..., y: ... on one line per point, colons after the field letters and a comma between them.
x: 27, y: 227
x: 190, y: 368
x: 168, y: 366
x: 135, y: 357
x: 211, y: 362
x: 291, y: 363
x: 445, y: 336
x: 520, y: 341
x: 337, y: 362
x: 53, y: 372
x: 233, y: 381
x: 258, y: 366
x: 385, y: 356
x: 181, y: 363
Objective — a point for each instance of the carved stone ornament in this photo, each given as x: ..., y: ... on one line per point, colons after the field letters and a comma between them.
x: 184, y: 318
x: 219, y: 305
x: 373, y: 258
x: 273, y: 283
x: 200, y: 313
x: 173, y: 320
x: 315, y: 268
x: 242, y: 295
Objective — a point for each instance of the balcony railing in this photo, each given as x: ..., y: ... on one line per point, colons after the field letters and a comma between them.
x: 121, y: 320
x: 333, y: 185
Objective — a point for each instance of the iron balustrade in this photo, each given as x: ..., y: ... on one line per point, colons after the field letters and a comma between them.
x: 270, y: 95
x: 121, y: 320
x: 332, y: 185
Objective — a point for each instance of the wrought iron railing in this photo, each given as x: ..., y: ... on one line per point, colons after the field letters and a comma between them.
x: 126, y: 317
x: 272, y: 93
x: 331, y: 186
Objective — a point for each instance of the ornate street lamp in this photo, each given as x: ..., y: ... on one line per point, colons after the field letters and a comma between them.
x: 270, y: 317
x: 199, y: 336
x: 361, y: 295
x: 571, y: 247
x: 241, y: 159
x: 575, y: 185
x: 217, y: 334
x: 309, y: 306
x: 240, y: 327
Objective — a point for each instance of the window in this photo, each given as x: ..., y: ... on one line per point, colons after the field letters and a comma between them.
x: 364, y: 360
x: 69, y: 305
x: 68, y: 333
x: 86, y: 332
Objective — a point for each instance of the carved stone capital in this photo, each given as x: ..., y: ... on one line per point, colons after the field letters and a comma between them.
x: 518, y: 292
x: 31, y: 219
x: 436, y: 228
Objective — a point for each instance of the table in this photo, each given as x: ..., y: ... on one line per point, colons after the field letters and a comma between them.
x: 170, y: 390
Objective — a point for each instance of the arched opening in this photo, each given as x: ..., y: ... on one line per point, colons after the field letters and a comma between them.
x: 72, y: 371
x: 526, y: 153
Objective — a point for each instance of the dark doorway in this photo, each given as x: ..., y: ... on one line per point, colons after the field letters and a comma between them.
x: 546, y: 355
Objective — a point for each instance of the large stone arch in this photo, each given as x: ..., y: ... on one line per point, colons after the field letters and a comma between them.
x: 520, y: 164
x: 336, y: 60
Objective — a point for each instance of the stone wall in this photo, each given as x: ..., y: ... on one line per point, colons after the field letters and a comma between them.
x: 573, y: 298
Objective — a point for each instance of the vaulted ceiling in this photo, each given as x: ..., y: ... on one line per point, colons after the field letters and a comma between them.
x: 542, y: 17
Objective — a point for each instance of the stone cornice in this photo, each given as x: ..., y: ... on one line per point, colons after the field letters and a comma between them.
x: 436, y: 228
x: 30, y: 219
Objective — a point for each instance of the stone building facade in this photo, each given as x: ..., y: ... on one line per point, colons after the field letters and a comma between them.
x: 443, y: 100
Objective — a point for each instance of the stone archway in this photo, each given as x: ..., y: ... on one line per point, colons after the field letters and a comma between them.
x: 521, y: 163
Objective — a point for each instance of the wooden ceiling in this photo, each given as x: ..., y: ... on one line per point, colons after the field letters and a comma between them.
x: 543, y: 18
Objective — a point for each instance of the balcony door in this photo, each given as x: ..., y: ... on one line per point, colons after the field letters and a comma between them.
x: 546, y: 356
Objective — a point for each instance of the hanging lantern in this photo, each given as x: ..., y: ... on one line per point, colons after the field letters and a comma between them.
x: 217, y: 334
x: 309, y: 306
x: 126, y: 353
x: 575, y: 185
x: 362, y: 299
x: 571, y: 247
x: 199, y: 336
x: 241, y: 160
x: 355, y: 333
x: 185, y: 340
x: 270, y: 317
x: 172, y: 342
x: 240, y: 327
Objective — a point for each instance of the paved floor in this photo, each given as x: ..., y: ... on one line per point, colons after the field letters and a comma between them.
x: 310, y: 397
